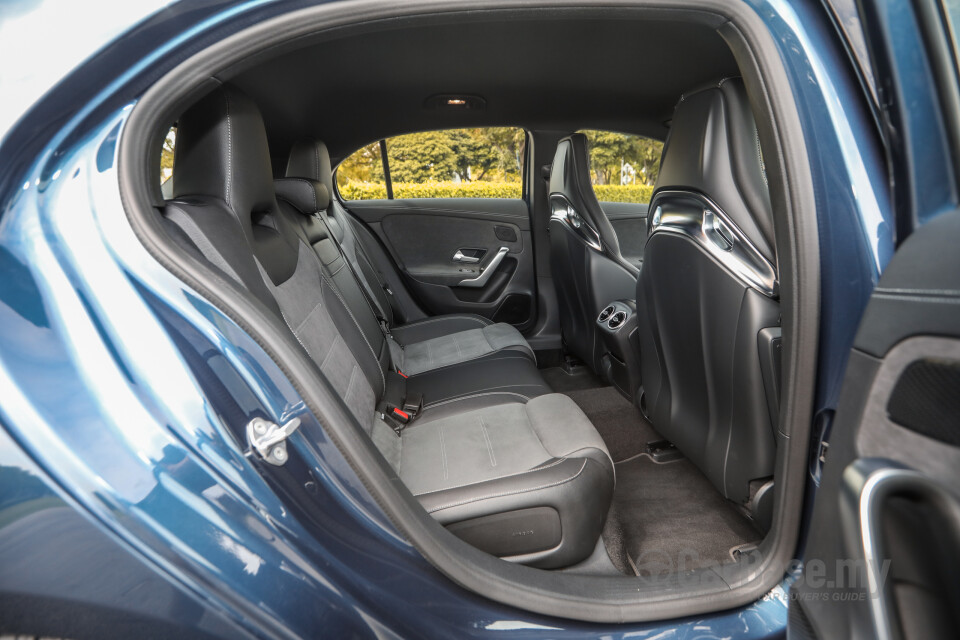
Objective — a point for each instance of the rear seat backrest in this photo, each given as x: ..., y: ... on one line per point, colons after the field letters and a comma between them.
x: 222, y: 157
x: 309, y: 159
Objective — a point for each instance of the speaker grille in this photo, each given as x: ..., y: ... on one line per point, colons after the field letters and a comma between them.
x: 926, y: 399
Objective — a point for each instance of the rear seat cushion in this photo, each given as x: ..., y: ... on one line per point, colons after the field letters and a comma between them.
x: 444, y: 340
x: 475, y: 462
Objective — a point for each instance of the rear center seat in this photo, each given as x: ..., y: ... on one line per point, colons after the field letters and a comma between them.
x: 503, y: 463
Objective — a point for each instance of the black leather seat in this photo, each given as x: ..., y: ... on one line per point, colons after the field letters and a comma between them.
x: 487, y: 461
x: 707, y: 294
x: 588, y: 270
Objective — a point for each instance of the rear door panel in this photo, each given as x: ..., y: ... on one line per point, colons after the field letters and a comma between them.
x: 424, y: 236
x: 883, y: 555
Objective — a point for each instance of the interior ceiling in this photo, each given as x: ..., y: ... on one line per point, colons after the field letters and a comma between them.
x: 548, y: 73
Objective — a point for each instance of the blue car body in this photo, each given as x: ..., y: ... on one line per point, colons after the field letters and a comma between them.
x: 111, y: 412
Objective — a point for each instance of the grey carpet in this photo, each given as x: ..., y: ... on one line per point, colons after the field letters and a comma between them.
x: 668, y: 518
x: 561, y: 381
x: 621, y: 425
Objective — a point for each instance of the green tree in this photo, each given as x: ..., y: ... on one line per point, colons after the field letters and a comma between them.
x: 363, y: 165
x: 608, y: 150
x: 166, y: 155
x: 420, y: 157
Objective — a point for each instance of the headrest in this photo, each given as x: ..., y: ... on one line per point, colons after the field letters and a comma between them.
x: 570, y: 176
x: 714, y: 148
x: 222, y: 151
x: 306, y: 196
x: 310, y: 159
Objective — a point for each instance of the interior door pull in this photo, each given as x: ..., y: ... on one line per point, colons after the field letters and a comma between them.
x: 485, y: 272
x: 459, y: 257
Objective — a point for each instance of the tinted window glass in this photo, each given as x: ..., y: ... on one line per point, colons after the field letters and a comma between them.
x: 166, y: 155
x: 452, y: 163
x: 623, y: 167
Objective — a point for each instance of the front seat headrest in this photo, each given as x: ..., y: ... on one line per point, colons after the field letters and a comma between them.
x: 714, y: 149
x: 570, y: 176
x: 310, y: 159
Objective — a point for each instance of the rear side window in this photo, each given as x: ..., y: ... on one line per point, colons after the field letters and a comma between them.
x: 623, y: 167
x: 451, y: 163
x: 166, y: 155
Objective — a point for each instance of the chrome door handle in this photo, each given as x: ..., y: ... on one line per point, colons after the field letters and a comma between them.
x: 459, y: 257
x: 485, y: 272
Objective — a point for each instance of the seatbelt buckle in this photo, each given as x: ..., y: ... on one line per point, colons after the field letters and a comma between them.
x: 413, y: 404
x: 402, y: 374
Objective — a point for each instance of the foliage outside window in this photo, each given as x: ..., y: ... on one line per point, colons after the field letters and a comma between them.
x: 452, y: 163
x: 623, y: 167
x: 166, y: 155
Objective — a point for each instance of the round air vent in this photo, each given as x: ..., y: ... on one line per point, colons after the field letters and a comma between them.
x: 606, y: 313
x: 617, y: 319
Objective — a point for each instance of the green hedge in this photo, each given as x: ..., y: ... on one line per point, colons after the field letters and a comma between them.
x: 354, y: 190
x: 624, y: 193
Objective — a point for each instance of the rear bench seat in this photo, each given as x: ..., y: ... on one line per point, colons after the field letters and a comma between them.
x: 506, y: 465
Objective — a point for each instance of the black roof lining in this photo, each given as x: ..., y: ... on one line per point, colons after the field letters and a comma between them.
x: 573, y: 69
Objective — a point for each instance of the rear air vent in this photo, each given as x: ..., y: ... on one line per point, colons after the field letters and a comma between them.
x: 617, y: 319
x: 606, y: 313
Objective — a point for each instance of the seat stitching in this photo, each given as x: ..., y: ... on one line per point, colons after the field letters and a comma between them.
x: 491, y: 390
x: 553, y: 463
x: 229, y: 193
x: 511, y: 493
x: 453, y: 364
x: 486, y: 437
x: 333, y: 346
x: 307, y: 317
x: 475, y: 395
x: 443, y: 454
x: 482, y: 322
x: 353, y: 379
x: 324, y: 280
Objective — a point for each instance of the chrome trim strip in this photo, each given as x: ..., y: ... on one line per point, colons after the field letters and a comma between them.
x: 562, y: 210
x: 487, y: 271
x: 697, y: 218
x: 867, y: 485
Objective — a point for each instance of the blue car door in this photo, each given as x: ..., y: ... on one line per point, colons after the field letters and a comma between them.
x: 883, y: 548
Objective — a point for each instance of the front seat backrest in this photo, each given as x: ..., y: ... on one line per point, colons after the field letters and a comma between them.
x: 588, y: 270
x: 707, y: 294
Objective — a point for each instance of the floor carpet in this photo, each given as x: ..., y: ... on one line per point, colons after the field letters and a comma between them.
x: 671, y: 519
x: 562, y: 381
x: 666, y: 517
x: 621, y: 425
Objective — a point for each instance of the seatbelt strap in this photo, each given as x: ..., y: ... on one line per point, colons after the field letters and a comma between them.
x: 374, y: 307
x: 391, y: 298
